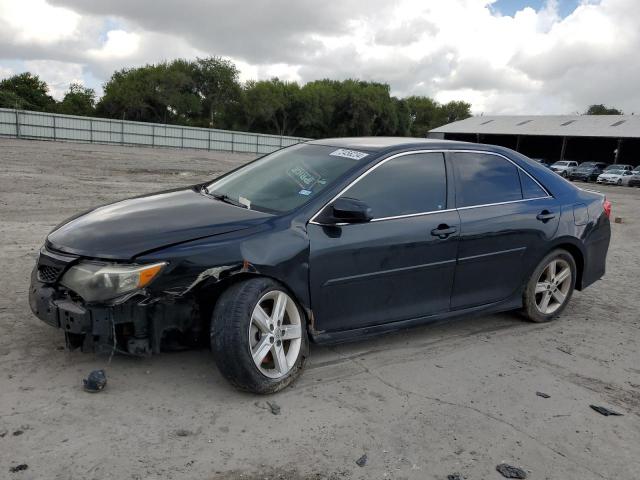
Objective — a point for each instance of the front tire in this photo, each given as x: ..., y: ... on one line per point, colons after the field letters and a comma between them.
x: 259, y: 336
x: 550, y: 287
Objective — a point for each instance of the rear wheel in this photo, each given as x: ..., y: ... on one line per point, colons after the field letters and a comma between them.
x: 258, y: 336
x: 550, y: 286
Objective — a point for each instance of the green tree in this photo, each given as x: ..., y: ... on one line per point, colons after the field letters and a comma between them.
x: 272, y: 106
x: 26, y: 91
x: 602, y: 110
x: 79, y: 100
x: 216, y: 82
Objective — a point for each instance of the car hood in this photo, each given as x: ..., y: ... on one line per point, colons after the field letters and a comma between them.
x: 125, y: 229
x: 610, y: 175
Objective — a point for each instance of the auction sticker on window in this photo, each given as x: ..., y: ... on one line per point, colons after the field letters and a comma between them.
x: 353, y: 154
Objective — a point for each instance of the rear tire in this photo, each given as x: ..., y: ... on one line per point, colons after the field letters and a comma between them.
x: 259, y: 336
x: 550, y: 287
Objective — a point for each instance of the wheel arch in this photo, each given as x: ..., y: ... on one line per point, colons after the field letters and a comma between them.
x: 572, y: 247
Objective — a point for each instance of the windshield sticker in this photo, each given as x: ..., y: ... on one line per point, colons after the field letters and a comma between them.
x: 304, y: 192
x: 245, y: 201
x: 304, y: 176
x: 353, y: 154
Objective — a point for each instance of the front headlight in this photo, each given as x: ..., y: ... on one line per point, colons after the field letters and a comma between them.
x: 96, y: 282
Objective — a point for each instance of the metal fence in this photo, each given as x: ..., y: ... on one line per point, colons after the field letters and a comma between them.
x: 51, y: 126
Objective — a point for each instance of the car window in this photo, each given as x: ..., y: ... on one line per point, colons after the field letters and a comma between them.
x: 287, y: 178
x: 483, y: 179
x: 530, y: 188
x: 404, y: 185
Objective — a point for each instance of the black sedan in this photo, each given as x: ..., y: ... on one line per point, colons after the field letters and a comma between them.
x: 588, y: 171
x: 326, y: 241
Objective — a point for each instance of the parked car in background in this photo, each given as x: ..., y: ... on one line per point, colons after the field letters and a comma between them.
x: 588, y: 171
x: 564, y: 167
x: 616, y: 166
x: 542, y: 161
x: 613, y: 176
x: 325, y: 241
x: 632, y: 180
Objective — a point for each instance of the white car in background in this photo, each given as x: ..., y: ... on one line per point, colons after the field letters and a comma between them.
x: 614, y: 177
x: 632, y: 180
x: 564, y: 167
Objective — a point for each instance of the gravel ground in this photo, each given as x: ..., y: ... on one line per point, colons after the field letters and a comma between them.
x: 451, y: 398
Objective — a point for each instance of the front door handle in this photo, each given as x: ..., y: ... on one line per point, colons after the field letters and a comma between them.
x: 443, y: 231
x: 545, y: 216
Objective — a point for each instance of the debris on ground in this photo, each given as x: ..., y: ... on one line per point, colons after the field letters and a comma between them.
x: 3, y: 432
x: 605, y: 411
x: 275, y: 408
x: 182, y: 432
x: 617, y: 220
x: 19, y: 468
x: 543, y: 395
x: 95, y: 382
x: 18, y: 432
x: 509, y: 471
x: 454, y: 476
x: 565, y: 349
x: 362, y: 461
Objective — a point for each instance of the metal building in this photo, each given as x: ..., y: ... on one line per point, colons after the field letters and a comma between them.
x: 603, y: 138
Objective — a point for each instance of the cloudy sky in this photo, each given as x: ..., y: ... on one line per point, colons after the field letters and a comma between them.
x: 502, y: 56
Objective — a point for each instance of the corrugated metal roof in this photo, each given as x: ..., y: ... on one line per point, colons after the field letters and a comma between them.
x: 617, y: 126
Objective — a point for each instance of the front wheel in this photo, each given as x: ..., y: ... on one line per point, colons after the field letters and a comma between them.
x: 259, y: 336
x: 550, y: 286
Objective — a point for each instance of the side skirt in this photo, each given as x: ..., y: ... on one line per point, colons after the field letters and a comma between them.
x: 342, y: 336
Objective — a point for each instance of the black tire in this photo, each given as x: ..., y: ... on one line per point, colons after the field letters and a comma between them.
x: 564, y: 174
x: 230, y: 343
x: 530, y: 309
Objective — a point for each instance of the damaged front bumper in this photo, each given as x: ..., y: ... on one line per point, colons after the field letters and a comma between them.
x: 136, y: 326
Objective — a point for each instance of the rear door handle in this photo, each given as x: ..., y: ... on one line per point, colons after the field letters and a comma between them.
x: 545, y: 216
x: 443, y: 231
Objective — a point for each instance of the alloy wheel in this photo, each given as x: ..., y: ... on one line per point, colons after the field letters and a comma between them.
x: 275, y: 334
x: 553, y: 286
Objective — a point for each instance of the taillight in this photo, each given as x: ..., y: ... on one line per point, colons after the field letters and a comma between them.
x: 607, y: 208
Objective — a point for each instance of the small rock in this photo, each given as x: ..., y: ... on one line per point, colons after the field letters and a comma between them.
x: 3, y: 432
x: 95, y: 382
x: 275, y: 408
x: 17, y: 433
x: 565, y: 349
x: 454, y: 476
x: 605, y: 411
x: 362, y: 461
x: 617, y: 219
x: 182, y: 432
x: 509, y: 471
x: 19, y: 468
x: 543, y: 395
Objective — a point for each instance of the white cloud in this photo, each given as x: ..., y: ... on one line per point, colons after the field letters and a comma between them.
x: 530, y: 62
x: 37, y: 21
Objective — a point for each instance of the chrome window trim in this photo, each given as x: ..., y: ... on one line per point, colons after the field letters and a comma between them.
x: 443, y: 151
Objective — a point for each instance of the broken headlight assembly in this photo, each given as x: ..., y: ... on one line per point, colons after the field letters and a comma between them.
x: 96, y: 282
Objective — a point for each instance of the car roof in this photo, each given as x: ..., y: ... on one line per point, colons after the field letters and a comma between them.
x: 379, y: 144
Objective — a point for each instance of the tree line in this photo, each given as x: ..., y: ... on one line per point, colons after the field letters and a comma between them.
x: 207, y: 92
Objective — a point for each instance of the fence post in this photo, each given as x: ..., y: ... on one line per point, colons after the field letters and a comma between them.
x: 122, y: 133
x: 153, y: 135
x: 90, y: 130
x: 55, y: 135
x: 209, y: 143
x: 181, y: 137
x: 233, y: 142
x: 257, y: 144
x: 17, y: 124
x: 280, y: 141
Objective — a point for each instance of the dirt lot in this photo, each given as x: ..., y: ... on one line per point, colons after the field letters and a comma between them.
x: 425, y: 403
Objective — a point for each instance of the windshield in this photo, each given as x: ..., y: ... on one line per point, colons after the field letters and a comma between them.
x: 285, y: 179
x: 584, y: 168
x: 561, y: 164
x: 615, y: 172
x: 613, y: 167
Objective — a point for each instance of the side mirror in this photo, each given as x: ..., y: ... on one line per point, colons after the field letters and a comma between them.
x: 346, y: 210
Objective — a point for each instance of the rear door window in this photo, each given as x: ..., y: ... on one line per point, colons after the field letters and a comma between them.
x: 405, y: 185
x: 483, y: 179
